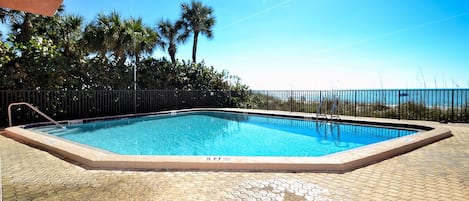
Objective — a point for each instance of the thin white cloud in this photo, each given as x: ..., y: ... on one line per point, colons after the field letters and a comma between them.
x: 398, y: 31
x: 284, y: 3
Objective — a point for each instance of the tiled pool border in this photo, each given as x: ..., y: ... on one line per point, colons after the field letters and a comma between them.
x: 339, y: 162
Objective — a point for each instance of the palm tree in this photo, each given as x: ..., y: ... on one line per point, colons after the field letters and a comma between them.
x: 198, y: 19
x: 69, y: 33
x: 25, y: 25
x: 138, y: 39
x: 95, y: 34
x: 118, y: 38
x: 105, y: 35
x: 5, y: 15
x: 23, y: 28
x: 171, y: 34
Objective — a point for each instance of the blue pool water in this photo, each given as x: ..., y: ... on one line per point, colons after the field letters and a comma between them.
x: 223, y: 134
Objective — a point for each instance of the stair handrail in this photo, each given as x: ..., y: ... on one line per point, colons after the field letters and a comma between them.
x: 319, y: 109
x: 33, y: 108
x: 335, y: 107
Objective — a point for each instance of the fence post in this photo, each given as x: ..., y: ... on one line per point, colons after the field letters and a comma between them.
x: 177, y: 98
x: 291, y: 100
x: 320, y: 101
x: 452, y: 105
x: 80, y: 99
x: 355, y: 103
x: 135, y: 100
x: 399, y: 104
x: 267, y: 97
x: 229, y: 98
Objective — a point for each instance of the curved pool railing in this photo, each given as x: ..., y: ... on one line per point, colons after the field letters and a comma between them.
x: 10, y: 119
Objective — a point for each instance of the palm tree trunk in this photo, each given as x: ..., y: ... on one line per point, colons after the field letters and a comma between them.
x: 26, y: 27
x: 194, y: 46
x: 173, y: 59
x: 172, y: 53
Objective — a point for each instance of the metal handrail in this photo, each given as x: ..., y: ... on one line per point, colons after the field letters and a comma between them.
x: 319, y: 109
x: 35, y: 109
x: 335, y: 107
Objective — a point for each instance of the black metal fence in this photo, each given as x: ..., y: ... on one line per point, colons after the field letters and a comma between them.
x: 418, y: 104
x: 65, y: 105
x: 430, y: 104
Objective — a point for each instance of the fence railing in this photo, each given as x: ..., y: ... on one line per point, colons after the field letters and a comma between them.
x: 67, y: 105
x: 420, y: 104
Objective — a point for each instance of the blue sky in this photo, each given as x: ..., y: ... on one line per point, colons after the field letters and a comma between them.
x: 322, y: 44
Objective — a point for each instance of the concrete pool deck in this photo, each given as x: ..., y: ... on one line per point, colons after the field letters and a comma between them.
x: 439, y: 171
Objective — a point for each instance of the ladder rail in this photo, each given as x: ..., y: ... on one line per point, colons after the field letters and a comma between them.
x: 10, y: 121
x: 335, y: 109
x: 319, y: 110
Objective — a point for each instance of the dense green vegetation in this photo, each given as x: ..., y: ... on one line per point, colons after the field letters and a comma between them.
x: 63, y: 53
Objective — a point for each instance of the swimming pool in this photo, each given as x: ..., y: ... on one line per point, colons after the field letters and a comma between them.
x: 227, y: 139
x: 223, y: 134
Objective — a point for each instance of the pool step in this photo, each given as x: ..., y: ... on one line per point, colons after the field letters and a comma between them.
x: 56, y: 131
